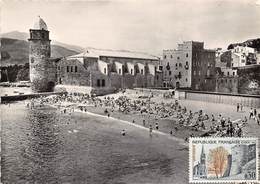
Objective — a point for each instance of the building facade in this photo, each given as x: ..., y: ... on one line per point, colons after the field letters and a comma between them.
x: 42, y: 67
x: 242, y: 56
x: 189, y: 66
x: 106, y: 71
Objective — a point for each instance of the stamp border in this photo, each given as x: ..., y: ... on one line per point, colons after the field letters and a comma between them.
x: 223, y: 181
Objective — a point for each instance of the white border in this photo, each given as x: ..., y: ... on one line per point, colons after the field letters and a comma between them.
x: 222, y: 181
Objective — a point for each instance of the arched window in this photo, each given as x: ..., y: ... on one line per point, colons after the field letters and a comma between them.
x: 142, y: 71
x: 105, y: 70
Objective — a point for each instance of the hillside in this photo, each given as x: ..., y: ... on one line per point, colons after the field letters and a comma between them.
x: 24, y: 36
x: 254, y: 43
x: 14, y: 51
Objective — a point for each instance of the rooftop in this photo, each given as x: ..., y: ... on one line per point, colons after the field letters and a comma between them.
x: 95, y: 53
x: 39, y: 24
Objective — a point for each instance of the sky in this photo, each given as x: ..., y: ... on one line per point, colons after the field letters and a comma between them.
x: 138, y: 25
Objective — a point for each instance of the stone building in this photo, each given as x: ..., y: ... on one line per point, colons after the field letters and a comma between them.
x: 242, y: 56
x: 227, y: 80
x: 42, y: 67
x: 189, y: 66
x: 106, y: 71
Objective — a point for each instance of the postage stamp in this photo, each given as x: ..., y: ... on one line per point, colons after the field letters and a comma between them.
x: 223, y: 159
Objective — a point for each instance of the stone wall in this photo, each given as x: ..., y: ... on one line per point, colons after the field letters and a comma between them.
x: 42, y: 69
x: 67, y: 74
x: 249, y: 80
x: 227, y: 84
x: 224, y: 98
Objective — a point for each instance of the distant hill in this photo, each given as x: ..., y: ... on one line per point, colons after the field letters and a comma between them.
x: 253, y: 43
x: 15, y: 35
x: 15, y: 51
x: 24, y: 36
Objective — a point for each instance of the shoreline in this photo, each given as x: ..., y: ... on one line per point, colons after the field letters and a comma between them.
x: 181, y: 141
x: 93, y: 111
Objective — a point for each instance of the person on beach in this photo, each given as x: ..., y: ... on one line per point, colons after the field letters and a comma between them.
x: 237, y: 107
x: 241, y: 107
x: 251, y: 113
x: 255, y: 112
x: 143, y: 122
x: 156, y: 126
x: 150, y: 129
x: 123, y: 132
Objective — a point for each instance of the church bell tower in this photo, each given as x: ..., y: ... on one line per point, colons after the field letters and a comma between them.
x: 42, y: 69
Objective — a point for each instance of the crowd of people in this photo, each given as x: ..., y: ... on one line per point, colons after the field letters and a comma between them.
x: 208, y: 124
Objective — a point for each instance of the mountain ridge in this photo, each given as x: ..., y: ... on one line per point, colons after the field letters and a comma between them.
x: 15, y: 51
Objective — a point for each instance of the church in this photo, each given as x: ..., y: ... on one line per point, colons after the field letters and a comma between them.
x: 200, y: 169
x: 100, y: 71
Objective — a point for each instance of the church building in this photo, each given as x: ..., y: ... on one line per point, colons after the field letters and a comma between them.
x: 106, y: 71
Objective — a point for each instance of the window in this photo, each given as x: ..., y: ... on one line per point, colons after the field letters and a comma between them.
x: 176, y: 64
x: 178, y: 57
x: 186, y: 80
x: 233, y: 73
x: 103, y: 82
x: 180, y: 65
x: 227, y: 73
x: 43, y: 36
x: 119, y: 70
x: 142, y: 71
x: 186, y: 62
x: 180, y: 75
x: 187, y: 55
x: 170, y: 72
x: 164, y: 56
x: 76, y: 69
x: 68, y: 69
x: 131, y: 71
x: 171, y: 56
x: 32, y: 60
x: 105, y: 70
x: 98, y: 83
x: 160, y: 67
x: 71, y: 68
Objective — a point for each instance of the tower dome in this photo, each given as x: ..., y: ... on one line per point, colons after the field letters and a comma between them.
x: 40, y: 24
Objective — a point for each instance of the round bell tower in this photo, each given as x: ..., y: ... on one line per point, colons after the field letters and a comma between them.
x: 42, y: 68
